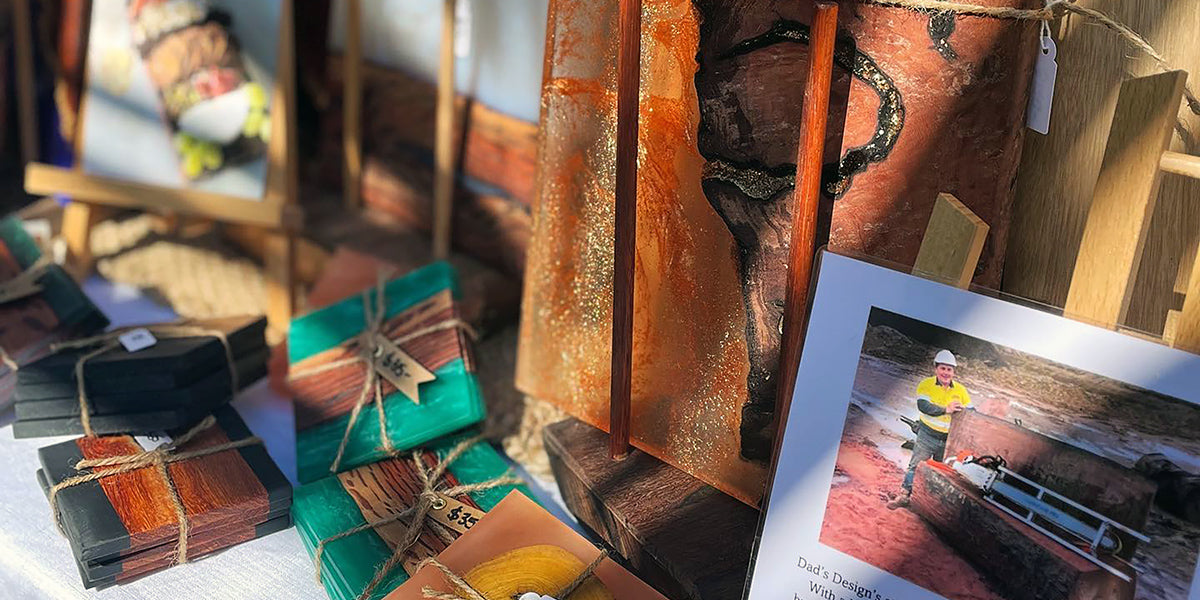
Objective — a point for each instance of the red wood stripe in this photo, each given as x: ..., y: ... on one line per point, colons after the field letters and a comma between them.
x: 217, y: 490
x: 329, y: 395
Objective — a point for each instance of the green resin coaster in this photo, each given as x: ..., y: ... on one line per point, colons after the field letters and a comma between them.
x: 339, y: 503
x: 405, y: 349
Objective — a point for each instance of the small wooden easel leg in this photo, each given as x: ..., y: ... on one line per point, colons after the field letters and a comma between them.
x: 952, y: 244
x: 279, y: 278
x: 352, y: 87
x: 78, y: 220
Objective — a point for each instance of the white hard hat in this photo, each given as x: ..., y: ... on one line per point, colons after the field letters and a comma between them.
x: 945, y: 357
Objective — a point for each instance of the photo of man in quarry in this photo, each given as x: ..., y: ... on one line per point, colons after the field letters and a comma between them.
x: 939, y: 398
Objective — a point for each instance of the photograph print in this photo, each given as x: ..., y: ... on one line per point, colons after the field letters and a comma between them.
x: 980, y: 472
x: 178, y: 93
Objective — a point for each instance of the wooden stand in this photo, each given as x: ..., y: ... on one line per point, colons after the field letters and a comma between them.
x: 1114, y: 237
x: 277, y: 212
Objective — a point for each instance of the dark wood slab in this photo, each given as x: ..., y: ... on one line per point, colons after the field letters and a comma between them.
x: 683, y: 537
x: 1024, y: 563
x: 1117, y: 492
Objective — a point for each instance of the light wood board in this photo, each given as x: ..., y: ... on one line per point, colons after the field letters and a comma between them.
x: 1125, y: 195
x: 952, y: 244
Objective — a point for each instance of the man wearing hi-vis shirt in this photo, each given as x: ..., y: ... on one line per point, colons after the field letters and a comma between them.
x: 938, y: 399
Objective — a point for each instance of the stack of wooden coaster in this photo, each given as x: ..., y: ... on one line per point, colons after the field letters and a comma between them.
x: 339, y: 503
x: 125, y: 525
x: 39, y: 305
x: 172, y: 384
x: 401, y: 346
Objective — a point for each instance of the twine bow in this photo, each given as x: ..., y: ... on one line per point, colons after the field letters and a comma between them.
x: 111, y: 341
x: 428, y: 500
x: 466, y: 592
x: 374, y: 315
x: 158, y: 458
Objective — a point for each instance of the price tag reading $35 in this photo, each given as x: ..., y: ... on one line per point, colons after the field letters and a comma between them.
x: 402, y: 370
x: 456, y: 515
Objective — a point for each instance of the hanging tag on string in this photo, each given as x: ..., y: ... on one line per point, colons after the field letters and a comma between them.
x: 1041, y: 90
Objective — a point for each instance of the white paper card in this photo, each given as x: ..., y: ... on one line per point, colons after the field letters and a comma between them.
x: 152, y: 441
x: 1088, y: 413
x: 137, y: 339
x: 535, y: 596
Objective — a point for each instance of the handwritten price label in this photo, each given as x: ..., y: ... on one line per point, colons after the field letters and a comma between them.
x: 456, y: 515
x: 402, y: 370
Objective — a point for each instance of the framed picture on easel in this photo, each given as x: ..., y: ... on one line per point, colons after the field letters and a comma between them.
x: 187, y: 108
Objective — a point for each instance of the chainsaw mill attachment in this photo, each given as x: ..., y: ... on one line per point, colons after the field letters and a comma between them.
x: 1074, y: 526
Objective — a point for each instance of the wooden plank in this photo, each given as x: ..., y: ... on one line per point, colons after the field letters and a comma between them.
x: 1057, y: 176
x: 953, y: 242
x: 1024, y: 563
x: 629, y: 54
x: 1125, y: 194
x: 22, y: 27
x: 683, y: 537
x: 806, y: 201
x: 352, y: 106
x: 497, y: 149
x: 444, y: 164
x: 1181, y: 164
x: 74, y: 18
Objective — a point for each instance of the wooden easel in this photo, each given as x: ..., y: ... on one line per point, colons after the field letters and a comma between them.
x: 445, y: 155
x: 1114, y: 237
x: 277, y: 212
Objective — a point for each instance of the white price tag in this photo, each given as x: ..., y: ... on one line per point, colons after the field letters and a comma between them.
x: 137, y: 339
x: 534, y: 596
x: 1041, y: 90
x: 152, y: 441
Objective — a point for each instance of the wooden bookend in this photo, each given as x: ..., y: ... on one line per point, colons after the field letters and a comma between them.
x: 680, y: 535
x: 952, y: 244
x: 1125, y: 194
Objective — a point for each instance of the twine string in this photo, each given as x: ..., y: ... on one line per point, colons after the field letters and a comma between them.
x: 8, y: 360
x: 111, y: 341
x: 158, y: 458
x: 1053, y: 10
x: 374, y: 317
x: 465, y: 591
x: 418, y: 515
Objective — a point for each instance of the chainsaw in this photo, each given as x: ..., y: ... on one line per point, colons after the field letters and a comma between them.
x: 1082, y: 530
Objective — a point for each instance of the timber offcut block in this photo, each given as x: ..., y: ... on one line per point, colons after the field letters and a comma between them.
x: 1117, y: 492
x: 683, y: 537
x: 1023, y: 562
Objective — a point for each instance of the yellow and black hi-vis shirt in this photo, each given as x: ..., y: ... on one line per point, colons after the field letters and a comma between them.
x: 935, y: 416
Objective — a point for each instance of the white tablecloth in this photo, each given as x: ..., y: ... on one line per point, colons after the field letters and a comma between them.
x: 35, y: 560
